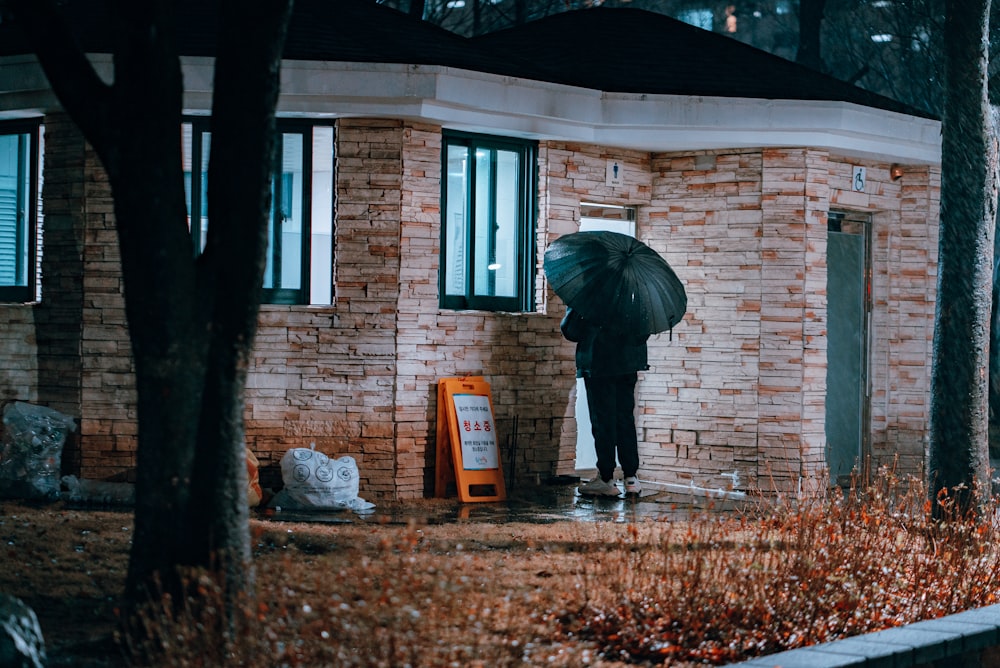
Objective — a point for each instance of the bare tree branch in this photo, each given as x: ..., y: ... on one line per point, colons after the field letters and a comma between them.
x: 79, y: 88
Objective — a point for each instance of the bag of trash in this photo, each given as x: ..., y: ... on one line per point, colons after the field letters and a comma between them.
x: 314, y: 481
x: 31, y: 450
x: 81, y: 490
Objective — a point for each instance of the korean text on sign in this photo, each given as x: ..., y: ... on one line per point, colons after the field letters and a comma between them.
x: 476, y: 431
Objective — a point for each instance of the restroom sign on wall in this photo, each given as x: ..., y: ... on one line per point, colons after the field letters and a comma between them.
x: 858, y: 180
x: 615, y: 174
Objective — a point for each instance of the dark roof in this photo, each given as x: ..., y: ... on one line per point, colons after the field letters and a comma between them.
x: 636, y: 51
x: 613, y: 50
x: 323, y: 30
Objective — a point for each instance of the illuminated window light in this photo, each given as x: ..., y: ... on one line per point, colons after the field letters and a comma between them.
x: 699, y: 18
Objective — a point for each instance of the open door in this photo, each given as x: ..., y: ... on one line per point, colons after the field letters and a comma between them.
x: 595, y: 217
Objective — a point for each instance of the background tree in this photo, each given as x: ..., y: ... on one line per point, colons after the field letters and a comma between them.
x: 892, y: 48
x: 810, y: 29
x: 958, y: 447
x: 191, y: 320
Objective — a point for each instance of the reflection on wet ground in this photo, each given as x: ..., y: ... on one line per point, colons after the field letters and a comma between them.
x: 541, y: 504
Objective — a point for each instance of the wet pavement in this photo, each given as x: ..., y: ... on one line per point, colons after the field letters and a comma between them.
x: 538, y: 504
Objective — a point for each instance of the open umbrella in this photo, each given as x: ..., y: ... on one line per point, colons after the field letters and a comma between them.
x: 615, y: 280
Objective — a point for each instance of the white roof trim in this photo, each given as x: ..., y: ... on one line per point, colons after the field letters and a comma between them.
x: 478, y: 102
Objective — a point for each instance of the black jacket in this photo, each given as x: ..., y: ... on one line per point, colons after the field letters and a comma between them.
x: 601, y: 351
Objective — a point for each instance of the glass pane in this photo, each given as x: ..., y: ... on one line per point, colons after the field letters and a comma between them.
x: 505, y: 242
x: 284, y: 253
x: 496, y: 223
x: 321, y: 224
x: 483, y: 222
x: 456, y: 245
x: 206, y: 146
x: 186, y: 153
x: 14, y: 191
x: 188, y: 137
x: 273, y: 247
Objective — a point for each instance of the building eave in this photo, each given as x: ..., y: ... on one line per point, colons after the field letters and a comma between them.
x: 481, y: 102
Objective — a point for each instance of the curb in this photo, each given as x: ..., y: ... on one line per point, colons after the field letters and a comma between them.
x: 955, y: 640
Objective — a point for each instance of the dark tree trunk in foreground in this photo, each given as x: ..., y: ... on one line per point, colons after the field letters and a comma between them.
x: 993, y: 86
x: 810, y: 29
x: 959, y: 392
x: 191, y: 321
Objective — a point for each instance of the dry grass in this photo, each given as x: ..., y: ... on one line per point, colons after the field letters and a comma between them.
x: 710, y: 590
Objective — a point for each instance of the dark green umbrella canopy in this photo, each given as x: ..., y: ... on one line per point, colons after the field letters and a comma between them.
x: 616, y: 281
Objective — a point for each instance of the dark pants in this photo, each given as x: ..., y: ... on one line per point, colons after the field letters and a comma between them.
x: 611, y: 400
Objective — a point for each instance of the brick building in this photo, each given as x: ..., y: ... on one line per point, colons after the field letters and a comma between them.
x: 801, y: 213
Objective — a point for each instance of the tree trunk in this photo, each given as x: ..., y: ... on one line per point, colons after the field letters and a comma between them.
x: 959, y: 394
x: 993, y: 91
x: 810, y: 30
x: 191, y: 322
x: 231, y: 272
x: 520, y: 12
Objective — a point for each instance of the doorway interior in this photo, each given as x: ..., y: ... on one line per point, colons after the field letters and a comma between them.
x: 595, y: 217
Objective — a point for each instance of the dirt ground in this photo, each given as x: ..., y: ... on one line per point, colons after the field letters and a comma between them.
x: 69, y: 565
x: 432, y: 587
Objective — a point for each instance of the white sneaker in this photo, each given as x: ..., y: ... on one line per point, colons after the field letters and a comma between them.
x: 598, y: 487
x: 632, y: 485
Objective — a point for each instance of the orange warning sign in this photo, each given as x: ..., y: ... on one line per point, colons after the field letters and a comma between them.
x: 468, y: 457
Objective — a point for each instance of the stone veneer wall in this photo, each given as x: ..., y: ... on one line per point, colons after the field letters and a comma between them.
x: 82, y: 293
x: 59, y: 316
x: 743, y: 386
x: 740, y: 386
x: 699, y: 403
x: 19, y: 380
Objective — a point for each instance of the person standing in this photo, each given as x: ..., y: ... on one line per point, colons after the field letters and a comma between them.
x: 609, y: 362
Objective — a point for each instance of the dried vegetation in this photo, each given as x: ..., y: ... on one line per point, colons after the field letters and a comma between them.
x: 711, y: 589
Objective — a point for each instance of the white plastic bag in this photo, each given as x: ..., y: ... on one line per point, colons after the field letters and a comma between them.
x: 313, y: 480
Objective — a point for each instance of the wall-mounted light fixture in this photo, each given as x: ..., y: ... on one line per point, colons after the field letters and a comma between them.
x: 896, y: 172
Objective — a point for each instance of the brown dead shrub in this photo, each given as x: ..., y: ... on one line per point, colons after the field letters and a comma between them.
x: 712, y: 588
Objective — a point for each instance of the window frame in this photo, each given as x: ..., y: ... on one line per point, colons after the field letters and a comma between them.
x: 276, y: 295
x: 30, y: 291
x: 526, y: 223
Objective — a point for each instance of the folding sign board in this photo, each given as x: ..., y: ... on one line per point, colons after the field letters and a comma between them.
x: 467, y: 452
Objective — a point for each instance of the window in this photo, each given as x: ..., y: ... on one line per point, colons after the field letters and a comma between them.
x: 487, y: 230
x: 699, y: 18
x: 300, y: 229
x: 19, y: 169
